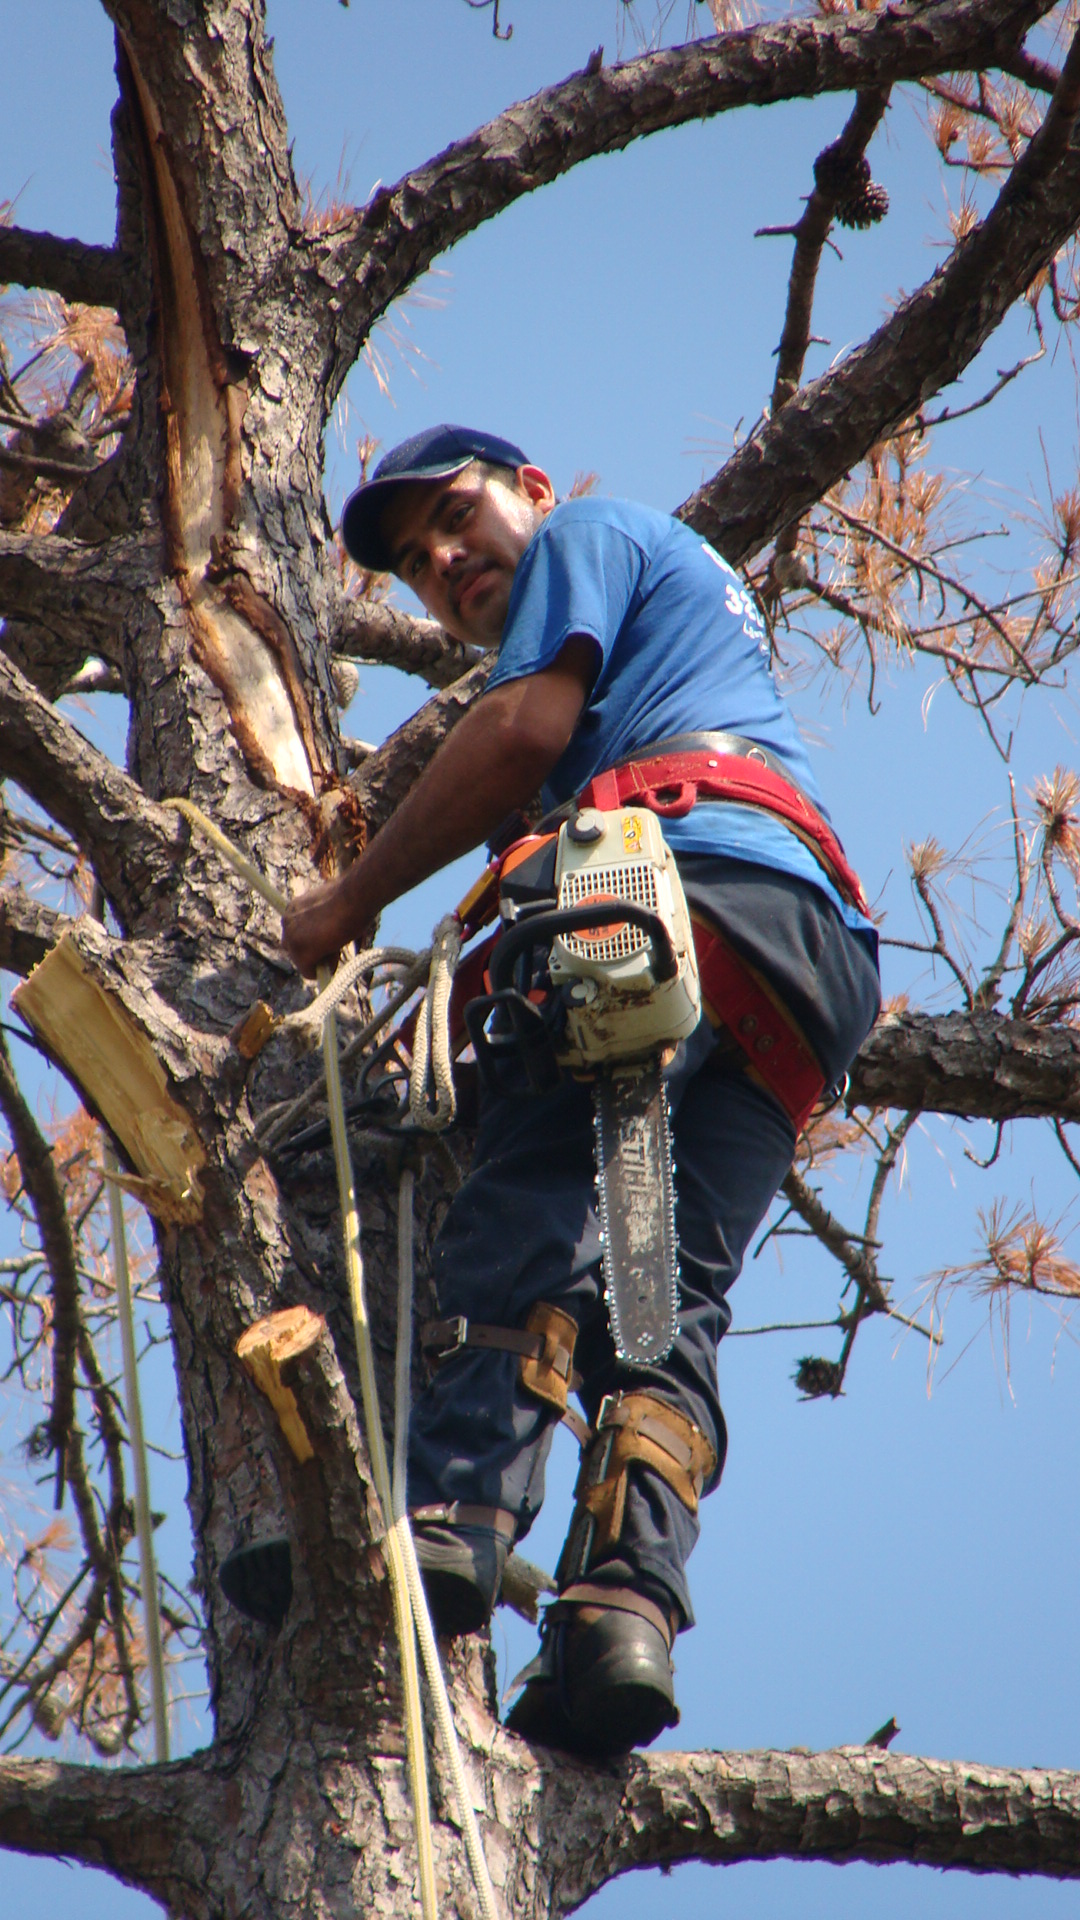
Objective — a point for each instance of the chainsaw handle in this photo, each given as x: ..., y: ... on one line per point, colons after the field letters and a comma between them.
x: 537, y: 929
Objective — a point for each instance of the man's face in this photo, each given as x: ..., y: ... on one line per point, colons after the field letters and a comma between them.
x: 457, y: 542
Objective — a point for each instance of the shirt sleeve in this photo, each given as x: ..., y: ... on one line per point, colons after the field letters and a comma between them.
x: 578, y: 576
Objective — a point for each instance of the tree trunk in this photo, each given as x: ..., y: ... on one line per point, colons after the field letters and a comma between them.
x: 200, y: 564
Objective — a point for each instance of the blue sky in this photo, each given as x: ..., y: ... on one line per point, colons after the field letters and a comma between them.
x: 894, y: 1553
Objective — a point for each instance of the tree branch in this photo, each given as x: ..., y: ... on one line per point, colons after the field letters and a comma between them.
x: 853, y: 1803
x: 976, y: 1066
x: 43, y: 467
x: 404, y: 228
x: 68, y: 267
x: 810, y: 234
x: 830, y: 424
x: 27, y: 930
x: 385, y: 777
x: 133, y: 1821
x: 373, y: 630
x: 1034, y: 73
x: 72, y: 597
x: 127, y: 836
x: 43, y: 1190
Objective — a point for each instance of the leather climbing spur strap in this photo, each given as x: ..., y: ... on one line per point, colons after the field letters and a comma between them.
x: 545, y: 1349
x: 613, y: 1600
x: 458, y: 1513
x: 632, y: 1429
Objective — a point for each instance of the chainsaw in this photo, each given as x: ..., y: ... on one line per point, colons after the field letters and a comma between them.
x: 595, y: 975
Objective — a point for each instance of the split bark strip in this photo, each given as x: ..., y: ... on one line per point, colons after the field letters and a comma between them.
x: 96, y: 1041
x: 39, y: 1178
x: 265, y: 1350
x: 237, y: 637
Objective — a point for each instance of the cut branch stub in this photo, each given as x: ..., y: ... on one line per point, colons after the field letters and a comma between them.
x: 265, y: 1349
x: 94, y: 1038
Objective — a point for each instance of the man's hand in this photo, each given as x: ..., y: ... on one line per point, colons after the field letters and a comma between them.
x: 316, y: 925
x: 494, y: 761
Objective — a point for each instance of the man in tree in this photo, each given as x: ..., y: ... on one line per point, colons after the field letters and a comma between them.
x: 619, y: 632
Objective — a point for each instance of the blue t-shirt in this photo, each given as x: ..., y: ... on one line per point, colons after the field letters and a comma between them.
x: 681, y: 648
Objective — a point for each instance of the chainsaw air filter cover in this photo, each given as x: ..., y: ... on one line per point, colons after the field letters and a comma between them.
x: 617, y: 1007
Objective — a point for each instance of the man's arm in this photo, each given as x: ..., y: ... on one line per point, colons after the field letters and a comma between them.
x: 494, y: 761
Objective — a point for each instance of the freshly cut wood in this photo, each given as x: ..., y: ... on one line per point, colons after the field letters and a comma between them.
x: 94, y: 1038
x: 251, y: 1034
x: 265, y: 1348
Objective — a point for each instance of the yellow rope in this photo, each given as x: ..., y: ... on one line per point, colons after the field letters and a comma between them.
x: 238, y: 861
x: 411, y: 1617
x: 369, y: 1394
x: 143, y: 1523
x: 429, y: 1651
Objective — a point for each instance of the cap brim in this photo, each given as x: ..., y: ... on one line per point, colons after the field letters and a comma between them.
x: 363, y: 511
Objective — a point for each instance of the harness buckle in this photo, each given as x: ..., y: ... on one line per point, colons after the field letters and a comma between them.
x: 609, y: 1401
x: 456, y: 1333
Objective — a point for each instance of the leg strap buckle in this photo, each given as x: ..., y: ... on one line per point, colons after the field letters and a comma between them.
x: 632, y: 1429
x: 545, y: 1347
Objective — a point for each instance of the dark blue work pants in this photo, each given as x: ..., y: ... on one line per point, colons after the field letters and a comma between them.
x: 523, y: 1228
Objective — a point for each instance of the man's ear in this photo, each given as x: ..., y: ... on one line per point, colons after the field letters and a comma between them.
x: 535, y: 482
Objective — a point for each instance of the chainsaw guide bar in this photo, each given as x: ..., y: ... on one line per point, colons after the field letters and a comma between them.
x: 636, y: 1194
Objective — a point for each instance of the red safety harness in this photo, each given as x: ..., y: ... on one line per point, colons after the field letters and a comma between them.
x: 670, y: 784
x: 735, y: 994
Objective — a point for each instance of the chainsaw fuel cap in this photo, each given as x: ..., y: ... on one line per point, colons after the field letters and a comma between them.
x: 586, y: 827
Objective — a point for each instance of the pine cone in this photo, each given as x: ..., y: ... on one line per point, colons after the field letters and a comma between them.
x: 858, y: 200
x: 864, y: 209
x: 816, y: 1379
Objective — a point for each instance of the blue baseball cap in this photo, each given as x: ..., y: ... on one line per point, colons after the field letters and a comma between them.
x: 434, y: 454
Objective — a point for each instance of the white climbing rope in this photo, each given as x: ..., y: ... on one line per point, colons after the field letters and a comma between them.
x: 411, y: 1615
x: 432, y: 1071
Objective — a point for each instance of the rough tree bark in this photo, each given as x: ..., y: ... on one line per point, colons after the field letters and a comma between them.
x: 199, y: 564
